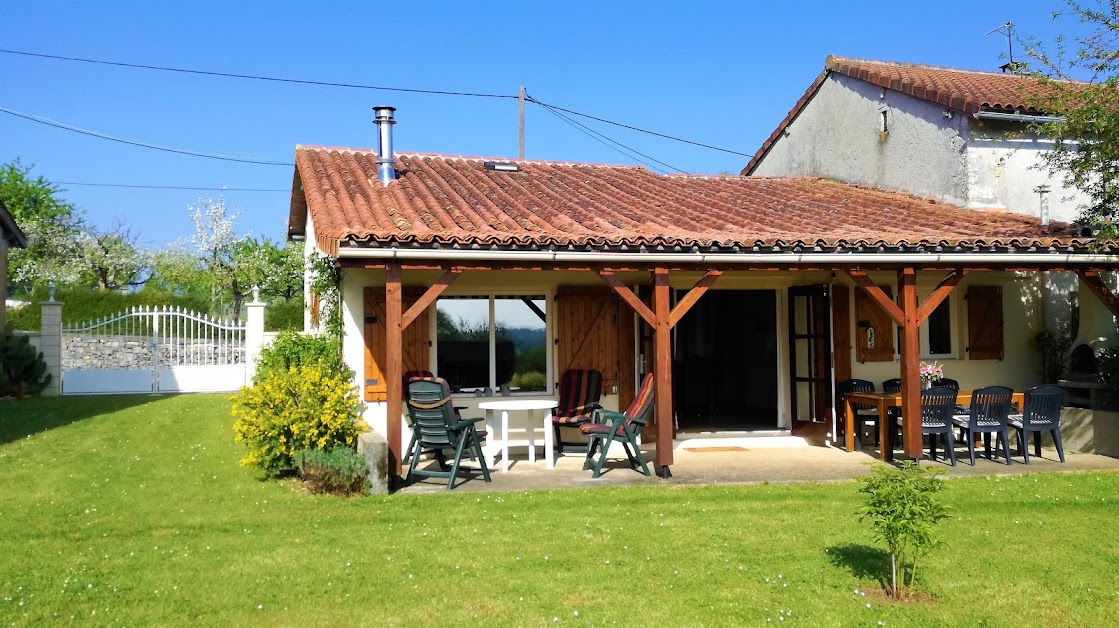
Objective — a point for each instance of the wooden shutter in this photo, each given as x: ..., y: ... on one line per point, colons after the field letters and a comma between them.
x: 984, y: 323
x: 587, y: 332
x: 841, y: 331
x: 869, y: 316
x: 415, y: 339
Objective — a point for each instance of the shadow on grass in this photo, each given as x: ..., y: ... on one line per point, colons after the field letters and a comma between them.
x: 863, y: 561
x: 26, y: 417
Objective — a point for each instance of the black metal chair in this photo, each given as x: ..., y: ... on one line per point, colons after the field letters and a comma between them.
x: 864, y: 412
x: 892, y: 385
x: 937, y: 406
x: 438, y: 427
x: 1041, y: 412
x: 988, y: 414
x: 579, y: 393
x: 944, y: 382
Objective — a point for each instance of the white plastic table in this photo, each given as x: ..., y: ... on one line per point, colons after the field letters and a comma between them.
x: 530, y: 406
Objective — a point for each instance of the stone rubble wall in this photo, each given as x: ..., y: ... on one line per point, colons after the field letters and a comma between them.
x: 80, y: 351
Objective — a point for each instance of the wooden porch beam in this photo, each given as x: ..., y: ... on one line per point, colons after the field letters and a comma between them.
x: 875, y: 293
x: 429, y: 296
x: 662, y: 369
x: 394, y: 365
x: 939, y: 295
x: 1100, y: 289
x: 629, y: 297
x: 690, y: 299
x: 910, y: 364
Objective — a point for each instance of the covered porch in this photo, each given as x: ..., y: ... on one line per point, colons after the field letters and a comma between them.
x: 818, y: 338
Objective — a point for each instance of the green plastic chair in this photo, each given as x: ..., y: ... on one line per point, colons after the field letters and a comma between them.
x: 623, y: 427
x: 438, y: 427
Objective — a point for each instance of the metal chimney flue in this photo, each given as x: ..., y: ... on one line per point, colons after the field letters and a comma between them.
x: 383, y: 119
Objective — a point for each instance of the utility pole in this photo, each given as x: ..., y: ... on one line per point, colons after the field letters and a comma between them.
x: 521, y: 119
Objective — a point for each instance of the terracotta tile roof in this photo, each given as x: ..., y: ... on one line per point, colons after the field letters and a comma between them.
x: 456, y: 200
x: 964, y: 90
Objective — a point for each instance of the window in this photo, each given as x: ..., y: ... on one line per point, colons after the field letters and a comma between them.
x: 937, y: 337
x: 493, y: 342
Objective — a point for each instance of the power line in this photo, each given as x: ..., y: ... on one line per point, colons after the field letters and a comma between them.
x: 178, y: 151
x: 615, y: 145
x: 276, y: 79
x: 168, y: 187
x: 633, y: 128
x: 253, y: 77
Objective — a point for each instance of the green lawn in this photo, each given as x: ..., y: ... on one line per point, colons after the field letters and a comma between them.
x: 133, y: 510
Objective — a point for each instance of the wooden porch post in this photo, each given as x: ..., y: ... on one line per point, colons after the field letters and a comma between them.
x: 662, y: 369
x: 910, y: 363
x: 394, y: 365
x: 662, y: 319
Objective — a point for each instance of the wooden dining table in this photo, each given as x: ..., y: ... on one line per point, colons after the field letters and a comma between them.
x: 883, y: 401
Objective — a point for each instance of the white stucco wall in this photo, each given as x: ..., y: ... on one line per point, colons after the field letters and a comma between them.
x: 309, y: 247
x: 963, y: 160
x: 837, y: 135
x: 1004, y: 167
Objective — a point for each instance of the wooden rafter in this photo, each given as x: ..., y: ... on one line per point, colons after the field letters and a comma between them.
x: 877, y: 295
x: 690, y: 299
x: 628, y: 296
x: 429, y: 297
x: 939, y: 295
x: 1100, y: 289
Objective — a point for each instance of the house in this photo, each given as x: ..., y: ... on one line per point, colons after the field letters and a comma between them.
x: 746, y: 297
x: 10, y: 235
x: 961, y: 136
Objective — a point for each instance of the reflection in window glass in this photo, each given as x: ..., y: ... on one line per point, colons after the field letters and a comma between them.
x: 463, y: 337
x: 518, y: 347
x: 521, y: 344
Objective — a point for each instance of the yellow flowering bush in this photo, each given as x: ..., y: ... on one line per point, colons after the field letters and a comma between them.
x: 309, y: 406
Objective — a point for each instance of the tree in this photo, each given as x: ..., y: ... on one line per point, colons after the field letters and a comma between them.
x: 1085, y: 128
x: 232, y: 264
x: 111, y: 259
x: 903, y: 509
x: 50, y: 223
x: 177, y: 271
x: 286, y: 269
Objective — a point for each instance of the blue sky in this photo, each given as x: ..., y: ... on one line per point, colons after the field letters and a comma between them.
x: 719, y: 73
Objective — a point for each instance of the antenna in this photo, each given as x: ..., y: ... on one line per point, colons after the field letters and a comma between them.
x: 1009, y: 29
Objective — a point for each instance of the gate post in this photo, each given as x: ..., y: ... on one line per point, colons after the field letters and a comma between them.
x: 254, y: 333
x: 50, y: 342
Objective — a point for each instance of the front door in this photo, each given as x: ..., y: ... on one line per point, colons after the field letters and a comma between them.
x: 810, y: 355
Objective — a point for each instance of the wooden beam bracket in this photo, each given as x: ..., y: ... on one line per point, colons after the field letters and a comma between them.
x: 693, y: 296
x: 877, y: 295
x: 628, y: 296
x: 429, y: 296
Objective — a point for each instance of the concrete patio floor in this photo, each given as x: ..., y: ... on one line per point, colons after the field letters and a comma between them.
x: 712, y: 461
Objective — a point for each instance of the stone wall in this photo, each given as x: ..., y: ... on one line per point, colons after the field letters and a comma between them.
x: 81, y: 351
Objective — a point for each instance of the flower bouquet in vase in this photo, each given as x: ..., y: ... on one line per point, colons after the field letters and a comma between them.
x: 930, y: 372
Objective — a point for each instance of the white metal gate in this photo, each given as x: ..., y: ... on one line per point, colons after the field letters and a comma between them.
x: 153, y: 349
